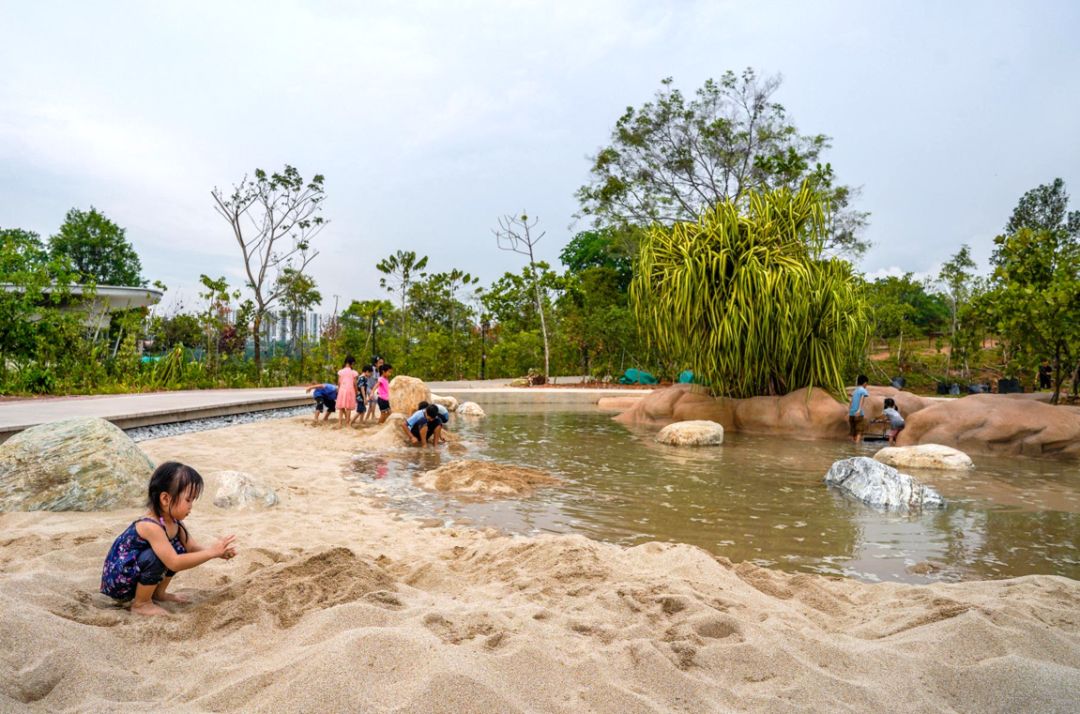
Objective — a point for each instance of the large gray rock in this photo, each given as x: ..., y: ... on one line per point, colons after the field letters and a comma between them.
x: 239, y: 489
x: 881, y: 486
x: 697, y: 432
x: 83, y: 464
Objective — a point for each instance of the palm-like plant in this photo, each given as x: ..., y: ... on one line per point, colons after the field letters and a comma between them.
x: 746, y: 298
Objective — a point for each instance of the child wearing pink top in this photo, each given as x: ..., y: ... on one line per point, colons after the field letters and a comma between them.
x: 346, y: 399
x: 382, y: 391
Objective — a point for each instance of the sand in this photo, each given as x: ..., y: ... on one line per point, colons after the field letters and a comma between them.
x: 332, y: 604
x: 485, y: 478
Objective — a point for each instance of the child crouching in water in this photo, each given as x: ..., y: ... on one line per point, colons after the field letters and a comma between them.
x: 891, y: 415
x: 144, y: 558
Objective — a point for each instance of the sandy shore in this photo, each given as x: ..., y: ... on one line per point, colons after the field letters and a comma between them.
x: 334, y: 605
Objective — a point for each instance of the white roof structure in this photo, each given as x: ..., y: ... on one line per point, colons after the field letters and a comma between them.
x: 106, y: 299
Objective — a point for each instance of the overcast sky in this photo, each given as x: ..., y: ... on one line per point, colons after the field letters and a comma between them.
x: 429, y: 120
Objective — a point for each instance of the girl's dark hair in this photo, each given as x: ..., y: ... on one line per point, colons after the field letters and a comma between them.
x: 350, y: 360
x: 890, y: 402
x: 383, y: 369
x: 174, y: 479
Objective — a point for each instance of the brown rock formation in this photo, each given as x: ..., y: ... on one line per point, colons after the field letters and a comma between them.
x: 978, y: 423
x: 989, y: 423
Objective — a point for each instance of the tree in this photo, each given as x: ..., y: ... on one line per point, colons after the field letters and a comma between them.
x: 1045, y: 208
x: 436, y: 301
x: 956, y: 276
x: 1035, y: 299
x: 515, y: 234
x: 299, y: 294
x: 25, y: 272
x: 401, y: 270
x: 746, y: 299
x: 675, y: 157
x: 97, y: 248
x: 273, y: 219
x: 604, y: 248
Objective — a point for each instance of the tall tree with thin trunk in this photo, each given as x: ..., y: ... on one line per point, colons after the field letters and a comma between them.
x: 273, y: 219
x: 401, y: 270
x: 515, y: 233
x: 956, y: 276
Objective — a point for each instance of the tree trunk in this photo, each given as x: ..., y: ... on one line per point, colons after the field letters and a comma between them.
x: 543, y: 327
x: 256, y: 325
x: 1057, y: 373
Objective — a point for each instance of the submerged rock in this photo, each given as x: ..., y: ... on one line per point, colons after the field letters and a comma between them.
x: 925, y: 456
x: 406, y: 393
x: 470, y: 409
x: 451, y: 403
x: 699, y: 432
x: 881, y: 486
x: 484, y: 478
x: 239, y: 489
x: 82, y: 464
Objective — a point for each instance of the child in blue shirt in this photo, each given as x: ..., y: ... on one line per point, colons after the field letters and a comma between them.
x: 423, y: 426
x: 325, y: 395
x: 856, y: 417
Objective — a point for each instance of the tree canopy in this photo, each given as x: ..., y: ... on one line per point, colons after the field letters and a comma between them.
x: 675, y: 156
x: 97, y: 248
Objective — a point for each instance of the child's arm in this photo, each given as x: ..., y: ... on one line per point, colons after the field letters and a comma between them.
x: 408, y: 432
x: 163, y: 549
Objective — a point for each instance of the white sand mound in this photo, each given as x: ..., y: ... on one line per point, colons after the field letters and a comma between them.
x: 331, y: 605
x: 485, y: 478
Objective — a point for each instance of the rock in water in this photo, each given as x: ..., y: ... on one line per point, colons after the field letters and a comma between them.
x: 239, y: 489
x: 925, y: 456
x: 83, y: 464
x: 470, y: 409
x: 881, y: 486
x: 406, y: 393
x: 485, y: 478
x: 699, y: 432
x: 451, y: 403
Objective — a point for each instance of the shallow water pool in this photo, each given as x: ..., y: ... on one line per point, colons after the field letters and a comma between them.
x: 755, y: 498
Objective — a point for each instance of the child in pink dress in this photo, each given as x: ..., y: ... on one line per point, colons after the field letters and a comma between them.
x: 346, y: 399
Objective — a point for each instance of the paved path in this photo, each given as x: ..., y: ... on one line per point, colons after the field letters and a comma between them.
x: 131, y: 410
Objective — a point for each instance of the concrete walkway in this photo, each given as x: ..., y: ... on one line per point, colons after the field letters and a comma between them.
x: 132, y: 410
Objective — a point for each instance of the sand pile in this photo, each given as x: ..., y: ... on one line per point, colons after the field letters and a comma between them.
x: 484, y: 478
x: 331, y: 605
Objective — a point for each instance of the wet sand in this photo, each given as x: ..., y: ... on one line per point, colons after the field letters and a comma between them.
x: 333, y: 603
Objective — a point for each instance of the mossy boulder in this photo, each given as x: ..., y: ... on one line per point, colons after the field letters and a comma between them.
x: 82, y: 464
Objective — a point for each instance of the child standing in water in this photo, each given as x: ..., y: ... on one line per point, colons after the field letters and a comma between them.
x: 346, y: 392
x: 145, y: 557
x: 856, y: 417
x: 891, y: 415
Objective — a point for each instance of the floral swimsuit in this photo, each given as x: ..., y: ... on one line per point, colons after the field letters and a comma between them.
x: 129, y: 564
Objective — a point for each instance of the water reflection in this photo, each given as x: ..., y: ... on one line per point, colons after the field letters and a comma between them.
x: 756, y: 499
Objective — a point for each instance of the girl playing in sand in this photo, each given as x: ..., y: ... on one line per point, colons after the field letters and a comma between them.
x: 346, y: 390
x: 144, y: 558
